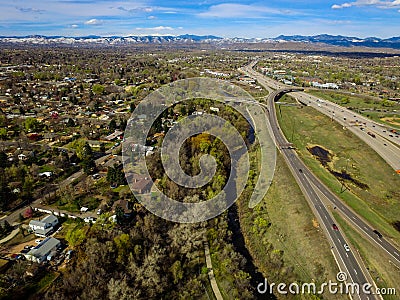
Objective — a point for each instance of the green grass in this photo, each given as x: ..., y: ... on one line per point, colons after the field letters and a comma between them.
x: 47, y: 168
x: 379, y: 204
x: 385, y: 274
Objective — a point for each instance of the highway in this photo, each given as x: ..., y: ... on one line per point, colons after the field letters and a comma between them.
x: 385, y: 143
x: 362, y: 226
x: 316, y: 192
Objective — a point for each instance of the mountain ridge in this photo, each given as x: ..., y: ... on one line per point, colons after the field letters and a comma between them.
x: 333, y: 40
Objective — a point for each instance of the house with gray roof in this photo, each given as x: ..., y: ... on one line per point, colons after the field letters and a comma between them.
x: 44, y: 250
x: 45, y: 226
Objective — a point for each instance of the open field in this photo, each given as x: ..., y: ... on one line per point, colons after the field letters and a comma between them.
x: 385, y: 274
x: 373, y: 189
x: 283, y: 236
x: 382, y: 111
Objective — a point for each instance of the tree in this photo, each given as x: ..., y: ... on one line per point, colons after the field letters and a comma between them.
x: 3, y: 159
x: 98, y: 89
x: 115, y: 175
x: 31, y: 124
x: 28, y: 213
x: 112, y: 126
x: 83, y: 150
x: 88, y: 166
x: 119, y: 214
x: 102, y: 148
x: 3, y: 133
x: 70, y: 122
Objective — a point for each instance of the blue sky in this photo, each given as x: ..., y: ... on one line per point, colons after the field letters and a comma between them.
x: 228, y: 18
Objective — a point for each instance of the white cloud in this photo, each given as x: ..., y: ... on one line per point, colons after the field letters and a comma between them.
x: 151, y: 17
x: 232, y: 10
x: 74, y: 26
x: 158, y: 28
x: 94, y: 22
x: 378, y: 3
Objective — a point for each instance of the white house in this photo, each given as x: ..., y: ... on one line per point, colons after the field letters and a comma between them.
x: 42, y: 251
x: 43, y: 227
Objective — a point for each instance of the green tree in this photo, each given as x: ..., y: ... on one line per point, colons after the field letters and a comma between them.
x: 3, y: 159
x: 98, y: 89
x: 31, y: 124
x: 3, y: 133
x: 119, y: 214
x: 112, y: 125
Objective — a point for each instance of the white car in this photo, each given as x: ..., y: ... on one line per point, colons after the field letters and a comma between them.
x: 38, y: 241
x: 346, y: 247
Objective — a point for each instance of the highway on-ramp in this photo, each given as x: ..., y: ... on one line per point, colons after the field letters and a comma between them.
x: 362, y: 226
x: 316, y: 193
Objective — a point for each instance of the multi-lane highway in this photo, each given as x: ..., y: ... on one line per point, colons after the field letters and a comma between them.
x: 381, y: 139
x: 377, y: 136
x: 317, y: 193
x: 362, y: 226
x: 344, y: 256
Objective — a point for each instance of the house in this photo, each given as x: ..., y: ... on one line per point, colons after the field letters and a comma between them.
x: 22, y: 157
x: 47, y: 174
x: 44, y: 250
x: 142, y: 186
x: 45, y: 226
x: 114, y: 135
x: 125, y: 205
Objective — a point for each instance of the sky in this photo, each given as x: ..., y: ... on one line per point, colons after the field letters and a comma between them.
x: 230, y: 18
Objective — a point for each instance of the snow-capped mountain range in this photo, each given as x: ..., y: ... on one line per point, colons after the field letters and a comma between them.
x: 338, y: 40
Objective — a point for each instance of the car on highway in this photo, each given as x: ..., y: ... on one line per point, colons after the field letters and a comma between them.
x: 377, y: 233
x: 346, y: 247
x: 300, y: 170
x: 334, y: 226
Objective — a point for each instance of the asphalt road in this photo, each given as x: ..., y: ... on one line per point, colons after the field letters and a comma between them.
x: 13, y: 217
x: 360, y: 224
x: 385, y: 143
x: 312, y: 189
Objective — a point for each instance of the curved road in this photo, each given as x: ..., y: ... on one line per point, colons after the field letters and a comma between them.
x: 315, y: 191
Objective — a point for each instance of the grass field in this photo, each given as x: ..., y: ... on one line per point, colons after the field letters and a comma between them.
x: 379, y: 202
x: 385, y: 274
x: 383, y: 111
x: 283, y: 236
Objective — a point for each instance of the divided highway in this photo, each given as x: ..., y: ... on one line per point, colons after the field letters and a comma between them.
x: 360, y: 224
x: 316, y: 193
x: 385, y: 143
